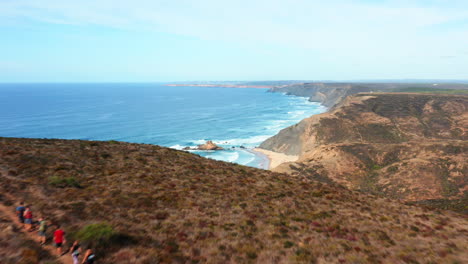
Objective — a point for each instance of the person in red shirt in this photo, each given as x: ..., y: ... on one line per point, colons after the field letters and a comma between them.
x: 59, y: 239
x: 28, y: 218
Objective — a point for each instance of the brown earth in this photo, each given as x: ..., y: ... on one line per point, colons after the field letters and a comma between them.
x: 158, y: 205
x: 412, y: 147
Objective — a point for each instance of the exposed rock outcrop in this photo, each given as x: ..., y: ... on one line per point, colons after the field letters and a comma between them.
x: 209, y: 145
x: 406, y: 146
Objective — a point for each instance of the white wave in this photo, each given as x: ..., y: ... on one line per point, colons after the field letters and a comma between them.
x: 178, y: 147
x: 276, y: 125
x: 242, y: 141
x: 223, y: 155
x: 298, y: 113
x: 197, y: 141
x: 233, y: 157
x: 234, y: 141
x: 245, y: 161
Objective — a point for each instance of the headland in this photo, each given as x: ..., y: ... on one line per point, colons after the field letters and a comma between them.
x: 403, y: 145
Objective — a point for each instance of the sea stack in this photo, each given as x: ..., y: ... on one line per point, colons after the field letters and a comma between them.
x: 209, y: 145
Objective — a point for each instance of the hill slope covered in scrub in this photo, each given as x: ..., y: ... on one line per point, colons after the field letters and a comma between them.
x: 332, y: 93
x: 17, y: 248
x: 406, y: 146
x: 150, y: 204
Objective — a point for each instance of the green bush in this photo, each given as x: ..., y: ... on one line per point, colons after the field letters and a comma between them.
x: 99, y: 233
x: 288, y: 244
x: 60, y: 182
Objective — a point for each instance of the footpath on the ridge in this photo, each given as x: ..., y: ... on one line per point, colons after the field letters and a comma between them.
x: 9, y: 213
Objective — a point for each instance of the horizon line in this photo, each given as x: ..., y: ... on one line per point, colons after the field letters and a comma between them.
x: 227, y: 81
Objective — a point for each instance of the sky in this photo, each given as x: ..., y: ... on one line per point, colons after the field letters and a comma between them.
x: 202, y: 40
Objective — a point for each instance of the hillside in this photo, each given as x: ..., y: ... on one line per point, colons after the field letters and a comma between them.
x: 405, y: 146
x: 16, y: 247
x: 149, y: 204
x: 332, y: 93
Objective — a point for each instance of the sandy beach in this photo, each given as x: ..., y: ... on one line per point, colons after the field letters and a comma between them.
x: 276, y: 158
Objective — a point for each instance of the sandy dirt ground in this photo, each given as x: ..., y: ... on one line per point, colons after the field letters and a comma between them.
x: 276, y: 158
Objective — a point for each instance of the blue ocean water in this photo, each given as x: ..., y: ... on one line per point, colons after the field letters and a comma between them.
x: 152, y: 113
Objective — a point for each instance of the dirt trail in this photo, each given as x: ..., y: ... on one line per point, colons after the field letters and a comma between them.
x: 66, y: 259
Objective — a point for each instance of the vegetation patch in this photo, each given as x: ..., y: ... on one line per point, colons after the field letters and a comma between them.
x: 102, y: 237
x: 457, y: 205
x: 102, y: 232
x: 64, y: 182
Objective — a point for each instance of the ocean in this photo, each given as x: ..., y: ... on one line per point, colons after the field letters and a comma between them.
x: 152, y: 113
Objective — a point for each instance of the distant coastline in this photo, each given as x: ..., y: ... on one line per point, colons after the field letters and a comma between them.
x: 224, y: 85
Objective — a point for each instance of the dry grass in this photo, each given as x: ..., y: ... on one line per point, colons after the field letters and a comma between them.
x: 411, y: 147
x: 16, y: 248
x: 168, y: 206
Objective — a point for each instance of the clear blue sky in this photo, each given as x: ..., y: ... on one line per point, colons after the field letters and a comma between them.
x: 180, y: 40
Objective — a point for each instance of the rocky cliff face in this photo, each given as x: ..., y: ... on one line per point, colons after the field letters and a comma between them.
x: 406, y: 146
x: 330, y: 94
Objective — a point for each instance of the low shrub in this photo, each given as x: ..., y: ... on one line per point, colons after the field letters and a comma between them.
x: 288, y: 244
x: 100, y: 234
x: 60, y: 182
x: 106, y: 155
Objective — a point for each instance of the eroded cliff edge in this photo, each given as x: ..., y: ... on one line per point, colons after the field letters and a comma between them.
x: 332, y: 93
x: 406, y: 146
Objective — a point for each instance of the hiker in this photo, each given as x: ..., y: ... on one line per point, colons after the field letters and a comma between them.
x: 89, y: 257
x: 75, y: 251
x: 42, y: 230
x: 28, y: 218
x: 59, y: 239
x: 20, y: 212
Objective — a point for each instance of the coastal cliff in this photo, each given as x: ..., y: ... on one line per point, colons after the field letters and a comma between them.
x: 330, y: 94
x: 407, y: 146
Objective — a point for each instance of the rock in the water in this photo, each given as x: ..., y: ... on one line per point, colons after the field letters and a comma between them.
x: 209, y: 145
x: 186, y: 148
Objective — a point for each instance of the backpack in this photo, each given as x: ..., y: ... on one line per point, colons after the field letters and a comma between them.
x: 21, y: 210
x: 90, y: 259
x: 76, y: 253
x: 42, y: 226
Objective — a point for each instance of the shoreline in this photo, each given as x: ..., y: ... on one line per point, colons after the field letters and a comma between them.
x: 264, y: 159
x: 275, y: 158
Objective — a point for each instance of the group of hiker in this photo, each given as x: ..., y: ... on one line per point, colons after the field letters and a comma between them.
x: 25, y: 217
